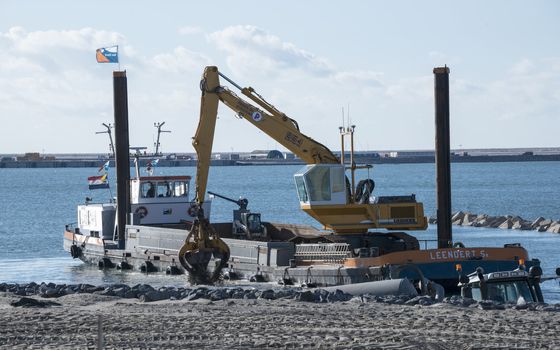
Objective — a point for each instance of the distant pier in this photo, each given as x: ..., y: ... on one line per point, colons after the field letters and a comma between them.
x: 35, y: 160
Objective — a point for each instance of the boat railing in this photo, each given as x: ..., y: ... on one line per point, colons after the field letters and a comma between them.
x: 323, y: 252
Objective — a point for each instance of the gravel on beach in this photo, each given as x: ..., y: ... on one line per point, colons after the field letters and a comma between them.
x: 77, y: 321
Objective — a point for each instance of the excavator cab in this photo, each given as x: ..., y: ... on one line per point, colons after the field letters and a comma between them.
x: 321, y: 184
x: 326, y: 195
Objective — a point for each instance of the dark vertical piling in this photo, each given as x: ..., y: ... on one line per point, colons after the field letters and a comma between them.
x: 122, y: 160
x: 443, y: 167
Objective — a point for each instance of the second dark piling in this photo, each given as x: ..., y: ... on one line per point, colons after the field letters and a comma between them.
x: 443, y: 167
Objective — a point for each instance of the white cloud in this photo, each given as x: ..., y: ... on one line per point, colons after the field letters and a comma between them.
x: 249, y: 47
x: 84, y: 39
x: 517, y: 109
x: 366, y: 78
x: 190, y: 30
x: 12, y: 63
x: 180, y: 60
x: 411, y: 89
x: 48, y: 87
x: 525, y: 66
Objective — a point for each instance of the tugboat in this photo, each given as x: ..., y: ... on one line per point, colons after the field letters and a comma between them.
x: 155, y: 201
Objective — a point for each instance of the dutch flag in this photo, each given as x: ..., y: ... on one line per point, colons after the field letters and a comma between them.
x: 97, y: 182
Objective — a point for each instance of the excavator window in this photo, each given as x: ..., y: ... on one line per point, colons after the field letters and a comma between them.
x: 319, y: 182
x: 338, y: 183
x: 254, y: 222
x: 302, y: 191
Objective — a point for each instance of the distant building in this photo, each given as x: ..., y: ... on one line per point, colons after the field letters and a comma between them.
x: 34, y: 156
x: 275, y: 154
x: 227, y: 156
x: 405, y: 154
x: 31, y: 156
x: 256, y: 154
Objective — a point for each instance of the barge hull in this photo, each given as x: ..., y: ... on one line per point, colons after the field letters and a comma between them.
x: 154, y: 249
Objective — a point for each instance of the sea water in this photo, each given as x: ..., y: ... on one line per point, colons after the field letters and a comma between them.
x: 35, y: 204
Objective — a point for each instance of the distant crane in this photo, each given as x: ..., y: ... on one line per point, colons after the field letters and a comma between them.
x: 159, y: 131
x: 108, y: 132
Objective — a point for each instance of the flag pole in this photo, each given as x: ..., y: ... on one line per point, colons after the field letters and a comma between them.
x: 119, y: 60
x: 111, y: 194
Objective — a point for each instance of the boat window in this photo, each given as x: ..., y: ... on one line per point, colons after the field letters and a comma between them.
x: 180, y: 188
x: 164, y: 189
x: 318, y: 180
x: 148, y: 189
x: 301, y: 190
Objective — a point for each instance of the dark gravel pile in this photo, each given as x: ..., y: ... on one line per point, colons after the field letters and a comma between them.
x: 147, y: 293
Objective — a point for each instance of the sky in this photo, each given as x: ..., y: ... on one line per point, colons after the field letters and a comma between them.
x: 371, y: 61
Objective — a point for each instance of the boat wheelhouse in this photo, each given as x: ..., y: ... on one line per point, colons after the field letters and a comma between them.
x: 157, y: 200
x: 161, y: 201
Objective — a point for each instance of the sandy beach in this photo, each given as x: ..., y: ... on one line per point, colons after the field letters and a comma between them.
x: 259, y: 323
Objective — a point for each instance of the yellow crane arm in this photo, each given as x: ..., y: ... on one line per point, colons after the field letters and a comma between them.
x: 204, y: 137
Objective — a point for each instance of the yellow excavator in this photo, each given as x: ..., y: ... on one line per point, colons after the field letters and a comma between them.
x: 323, y: 188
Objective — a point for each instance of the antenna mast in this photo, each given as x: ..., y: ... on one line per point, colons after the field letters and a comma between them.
x: 108, y: 132
x: 159, y: 131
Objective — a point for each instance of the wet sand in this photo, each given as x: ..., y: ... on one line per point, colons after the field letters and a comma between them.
x: 282, y: 323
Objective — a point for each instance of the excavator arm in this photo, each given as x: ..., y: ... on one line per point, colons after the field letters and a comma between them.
x: 202, y: 242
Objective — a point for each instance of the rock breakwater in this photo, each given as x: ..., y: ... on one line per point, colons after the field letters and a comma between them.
x: 540, y: 224
x: 147, y: 293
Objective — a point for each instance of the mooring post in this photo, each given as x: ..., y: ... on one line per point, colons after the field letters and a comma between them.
x: 443, y: 167
x: 122, y: 160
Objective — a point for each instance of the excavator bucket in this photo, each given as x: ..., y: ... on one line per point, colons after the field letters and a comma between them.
x: 201, y: 247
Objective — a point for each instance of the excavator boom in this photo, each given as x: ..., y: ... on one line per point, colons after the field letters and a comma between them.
x: 203, y: 243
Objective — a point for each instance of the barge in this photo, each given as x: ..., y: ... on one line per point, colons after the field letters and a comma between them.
x: 349, y: 249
